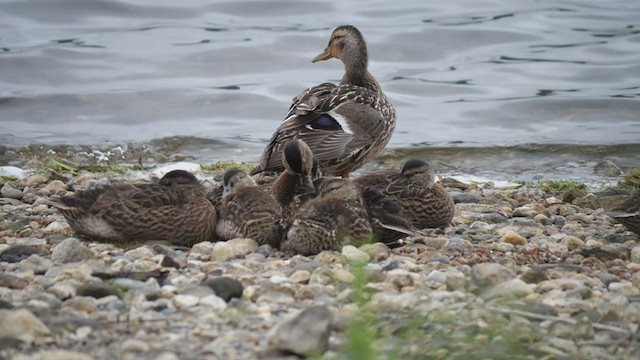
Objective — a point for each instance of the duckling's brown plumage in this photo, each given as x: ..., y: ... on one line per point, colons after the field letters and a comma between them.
x: 248, y: 211
x: 335, y: 218
x: 175, y: 209
x: 629, y: 214
x: 345, y: 125
x: 298, y: 176
x: 425, y: 202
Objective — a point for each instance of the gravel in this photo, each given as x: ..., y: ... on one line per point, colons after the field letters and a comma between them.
x: 519, y: 271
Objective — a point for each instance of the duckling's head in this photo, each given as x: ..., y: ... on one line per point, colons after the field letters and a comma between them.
x: 299, y: 160
x: 347, y: 44
x: 416, y: 169
x: 178, y: 177
x: 234, y: 179
x: 343, y: 188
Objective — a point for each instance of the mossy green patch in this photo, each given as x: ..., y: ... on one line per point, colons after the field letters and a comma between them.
x: 221, y: 167
x: 631, y: 181
x: 563, y: 185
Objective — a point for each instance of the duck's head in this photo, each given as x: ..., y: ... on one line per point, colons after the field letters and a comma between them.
x: 234, y: 179
x: 347, y: 44
x: 178, y: 177
x: 299, y: 160
x: 343, y: 188
x: 416, y: 169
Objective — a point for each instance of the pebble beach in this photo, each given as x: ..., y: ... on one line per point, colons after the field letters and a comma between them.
x: 524, y: 272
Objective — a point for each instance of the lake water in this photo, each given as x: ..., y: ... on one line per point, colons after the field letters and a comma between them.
x: 219, y: 75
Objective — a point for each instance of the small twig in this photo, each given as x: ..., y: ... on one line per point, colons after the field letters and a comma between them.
x: 557, y: 318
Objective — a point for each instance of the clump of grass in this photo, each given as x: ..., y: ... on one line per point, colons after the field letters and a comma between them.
x: 362, y: 333
x: 563, y: 185
x: 631, y: 181
x: 454, y: 333
x: 220, y: 167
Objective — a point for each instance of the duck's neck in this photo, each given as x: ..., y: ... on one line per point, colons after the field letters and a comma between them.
x: 355, y: 69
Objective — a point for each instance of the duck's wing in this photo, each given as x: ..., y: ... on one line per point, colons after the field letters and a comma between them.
x: 334, y: 121
x: 142, y: 196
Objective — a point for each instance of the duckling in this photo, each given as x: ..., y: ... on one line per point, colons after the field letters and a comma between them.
x: 335, y: 218
x: 425, y: 203
x: 629, y: 214
x: 345, y: 125
x: 247, y: 211
x: 387, y: 218
x: 175, y: 209
x: 296, y: 179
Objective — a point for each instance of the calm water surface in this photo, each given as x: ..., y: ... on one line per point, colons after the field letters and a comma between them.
x: 222, y: 73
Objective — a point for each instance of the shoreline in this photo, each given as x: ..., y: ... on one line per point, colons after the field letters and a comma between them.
x: 519, y: 272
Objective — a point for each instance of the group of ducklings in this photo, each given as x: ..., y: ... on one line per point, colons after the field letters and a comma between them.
x: 297, y: 210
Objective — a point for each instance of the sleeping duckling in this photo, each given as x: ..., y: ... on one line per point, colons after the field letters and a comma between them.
x: 247, y: 211
x: 426, y: 203
x: 335, y: 218
x: 175, y: 209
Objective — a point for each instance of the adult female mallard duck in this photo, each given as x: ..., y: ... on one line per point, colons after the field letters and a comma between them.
x: 426, y: 203
x: 335, y: 218
x: 345, y: 125
x: 248, y: 211
x: 174, y: 209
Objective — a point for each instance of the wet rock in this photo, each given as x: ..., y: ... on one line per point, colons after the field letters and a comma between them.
x: 139, y: 253
x: 242, y: 247
x: 64, y: 289
x: 300, y: 277
x: 607, y: 252
x: 490, y: 274
x: 5, y: 304
x: 170, y: 261
x: 71, y: 250
x: 572, y: 242
x: 11, y: 192
x: 514, y: 288
x: 97, y: 290
x: 465, y: 198
x: 32, y: 181
x: 354, y: 254
x: 56, y: 187
x: 305, y: 333
x: 343, y: 276
x: 225, y: 287
x: 181, y: 301
x: 534, y: 276
x: 513, y: 238
x: 134, y: 345
x: 266, y: 250
x: 635, y: 254
x: 376, y: 251
x: 524, y: 211
x: 330, y: 257
x: 12, y: 281
x: 400, y: 278
x: 54, y: 354
x: 389, y: 302
x: 18, y: 253
x: 81, y: 304
x: 542, y: 219
x: 21, y: 324
x: 205, y: 250
x: 608, y: 168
